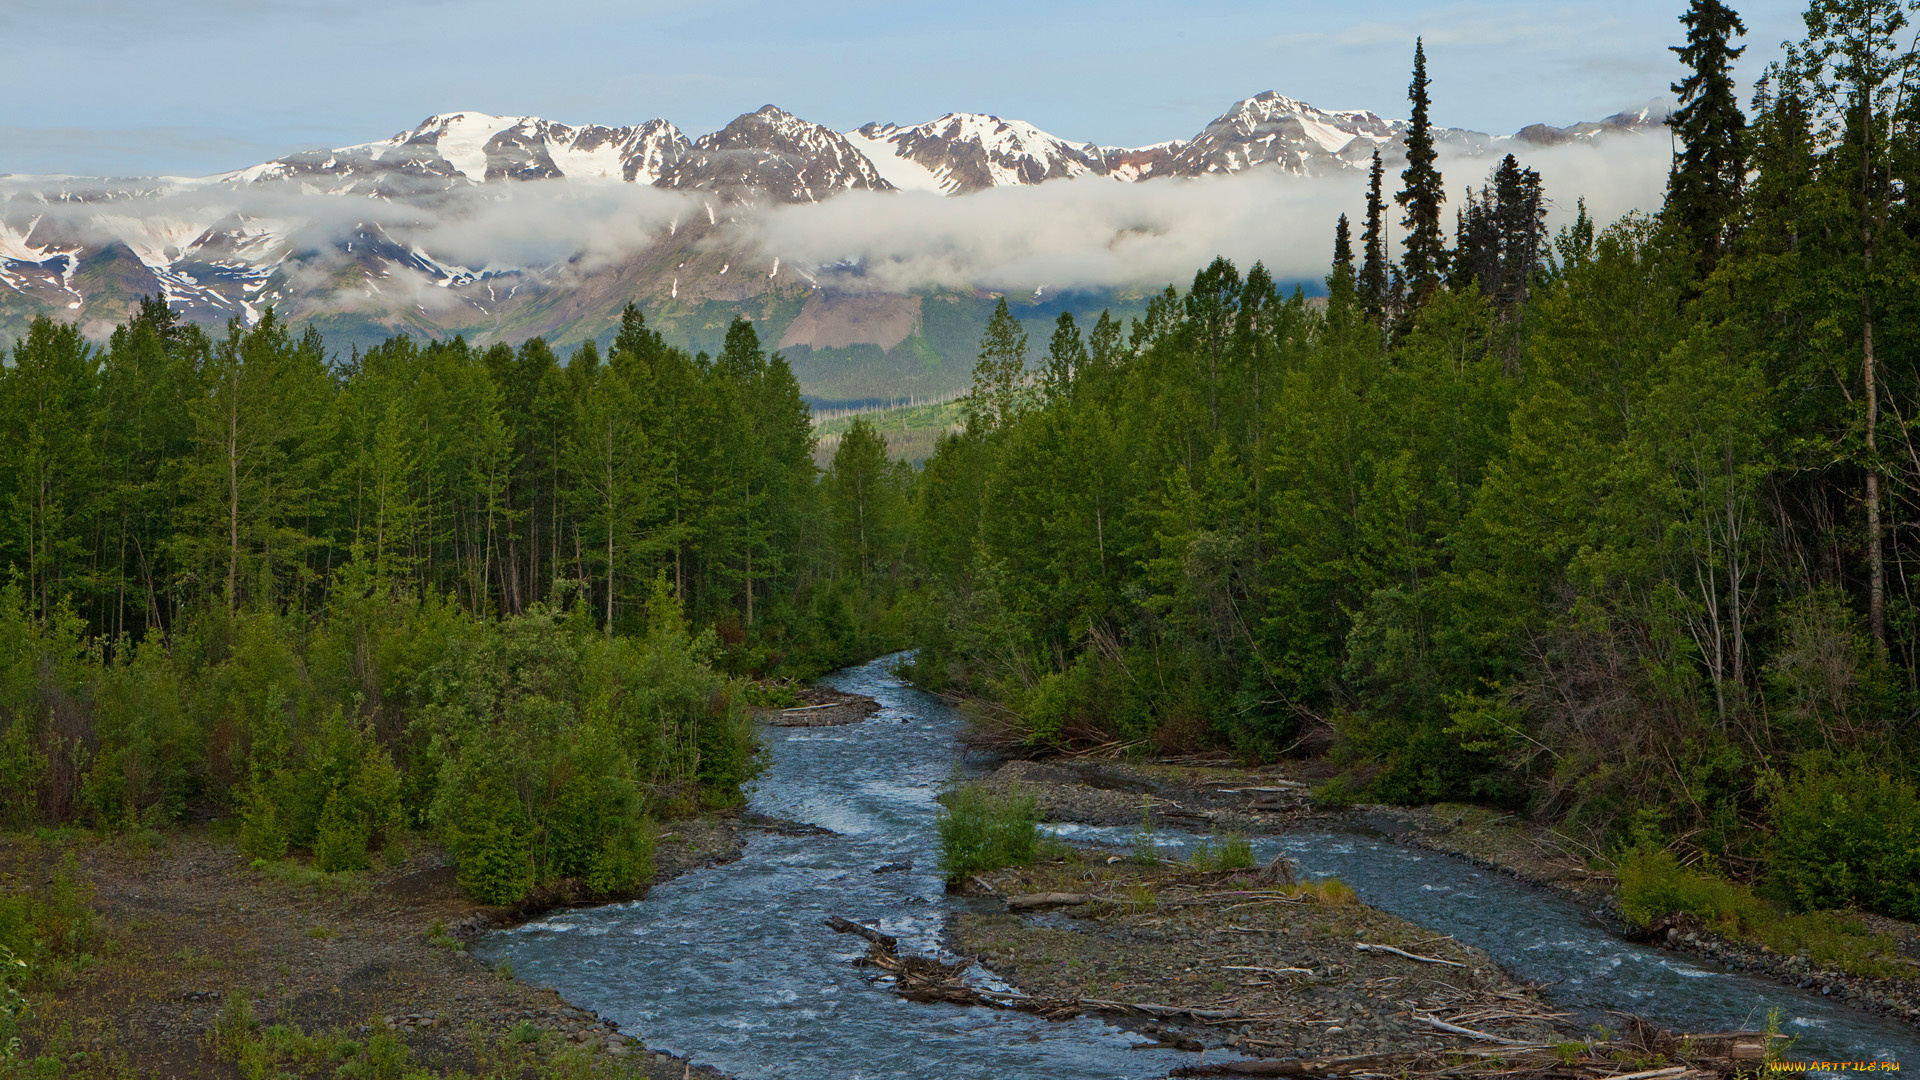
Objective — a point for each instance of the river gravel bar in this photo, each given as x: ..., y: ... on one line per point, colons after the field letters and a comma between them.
x: 1286, y: 962
x: 186, y: 924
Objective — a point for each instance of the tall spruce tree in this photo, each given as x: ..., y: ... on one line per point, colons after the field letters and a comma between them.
x: 1373, y: 246
x: 1425, y: 260
x: 1343, y: 246
x: 1501, y: 237
x: 999, y: 377
x: 1710, y: 167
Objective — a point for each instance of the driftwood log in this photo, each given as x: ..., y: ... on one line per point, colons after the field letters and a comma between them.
x: 1031, y: 901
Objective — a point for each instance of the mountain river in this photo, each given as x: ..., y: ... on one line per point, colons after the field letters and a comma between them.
x: 732, y: 966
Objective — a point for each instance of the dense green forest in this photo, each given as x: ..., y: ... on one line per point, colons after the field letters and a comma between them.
x: 1614, y: 525
x: 422, y: 586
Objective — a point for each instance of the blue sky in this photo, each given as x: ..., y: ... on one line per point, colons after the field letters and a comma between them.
x: 118, y: 87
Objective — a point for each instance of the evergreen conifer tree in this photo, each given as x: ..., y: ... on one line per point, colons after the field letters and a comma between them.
x: 1501, y: 236
x: 1000, y: 374
x: 1066, y: 357
x: 1373, y: 247
x: 1711, y: 165
x: 1425, y: 260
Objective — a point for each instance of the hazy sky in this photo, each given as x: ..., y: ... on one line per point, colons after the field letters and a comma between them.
x: 133, y: 87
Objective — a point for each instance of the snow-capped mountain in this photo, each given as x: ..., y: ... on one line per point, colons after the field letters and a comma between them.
x: 1270, y: 129
x: 775, y: 154
x: 962, y: 152
x: 343, y: 229
x: 466, y: 147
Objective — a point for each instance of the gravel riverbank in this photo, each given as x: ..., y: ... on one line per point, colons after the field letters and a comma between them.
x: 185, y: 925
x: 1222, y: 799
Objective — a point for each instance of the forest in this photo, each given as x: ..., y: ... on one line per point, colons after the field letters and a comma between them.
x: 483, y: 593
x: 1611, y: 525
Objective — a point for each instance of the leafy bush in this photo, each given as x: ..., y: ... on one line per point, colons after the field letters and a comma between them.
x: 1234, y: 852
x: 490, y: 842
x: 1848, y: 836
x: 981, y: 831
x: 51, y: 922
x: 1337, y: 793
x: 766, y: 695
x: 13, y: 1004
x: 1653, y: 885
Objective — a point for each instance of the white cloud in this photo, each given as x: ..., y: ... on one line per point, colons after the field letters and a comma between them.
x: 1086, y: 233
x: 1095, y: 232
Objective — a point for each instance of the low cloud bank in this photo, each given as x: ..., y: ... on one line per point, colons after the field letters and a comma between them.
x: 1095, y: 232
x: 1088, y: 233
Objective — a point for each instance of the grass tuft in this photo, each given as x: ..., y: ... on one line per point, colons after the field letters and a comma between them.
x: 981, y: 831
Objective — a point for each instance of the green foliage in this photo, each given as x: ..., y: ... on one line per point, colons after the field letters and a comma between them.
x: 1654, y: 884
x: 1539, y: 534
x: 238, y: 575
x: 762, y: 695
x: 1848, y: 836
x: 1234, y: 852
x: 14, y: 1006
x: 50, y: 923
x: 490, y: 838
x: 1337, y: 793
x: 981, y: 831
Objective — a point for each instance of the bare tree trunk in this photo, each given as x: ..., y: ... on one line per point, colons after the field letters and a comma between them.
x: 1876, y: 559
x: 233, y: 496
x: 748, y: 514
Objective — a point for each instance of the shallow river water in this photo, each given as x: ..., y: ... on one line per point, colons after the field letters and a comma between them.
x: 732, y: 966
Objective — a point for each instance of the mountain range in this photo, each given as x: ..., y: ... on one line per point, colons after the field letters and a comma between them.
x: 335, y: 235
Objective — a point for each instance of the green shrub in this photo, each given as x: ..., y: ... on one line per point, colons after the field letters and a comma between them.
x: 1337, y: 793
x: 981, y: 831
x: 13, y: 1004
x: 491, y: 843
x: 1234, y: 853
x: 340, y: 841
x: 1848, y: 836
x: 762, y: 695
x: 595, y: 830
x: 53, y: 922
x: 1653, y: 884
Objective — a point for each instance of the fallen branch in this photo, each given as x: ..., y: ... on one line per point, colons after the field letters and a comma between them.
x: 1161, y: 1010
x: 847, y: 926
x: 1365, y: 947
x: 1366, y: 1063
x: 1270, y: 971
x: 1651, y: 1074
x: 810, y: 708
x: 1456, y: 1029
x: 1030, y: 901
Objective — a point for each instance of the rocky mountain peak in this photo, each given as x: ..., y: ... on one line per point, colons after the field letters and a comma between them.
x: 772, y: 153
